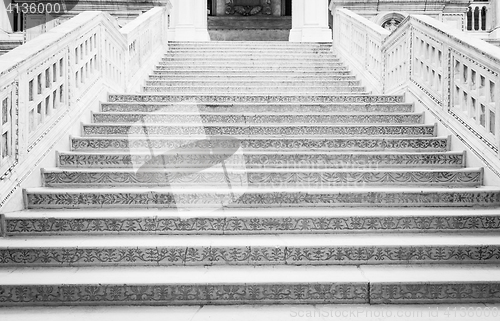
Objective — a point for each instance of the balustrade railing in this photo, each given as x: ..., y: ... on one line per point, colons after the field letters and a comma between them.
x: 360, y: 41
x: 47, y: 83
x: 457, y: 75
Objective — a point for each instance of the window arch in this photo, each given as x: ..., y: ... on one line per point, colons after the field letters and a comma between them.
x: 477, y: 16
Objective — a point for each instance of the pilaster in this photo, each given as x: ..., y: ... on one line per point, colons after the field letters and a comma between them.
x: 189, y: 21
x: 5, y: 19
x: 310, y: 21
x: 495, y: 33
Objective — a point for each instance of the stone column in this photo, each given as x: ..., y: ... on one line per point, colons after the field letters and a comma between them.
x: 188, y: 21
x: 310, y: 21
x: 5, y: 19
x: 495, y: 34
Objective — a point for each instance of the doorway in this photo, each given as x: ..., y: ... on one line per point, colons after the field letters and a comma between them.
x: 286, y: 8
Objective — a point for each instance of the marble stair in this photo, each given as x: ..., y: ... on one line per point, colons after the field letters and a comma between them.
x: 254, y: 173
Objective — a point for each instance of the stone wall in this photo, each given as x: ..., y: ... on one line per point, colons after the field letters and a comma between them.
x: 390, y: 13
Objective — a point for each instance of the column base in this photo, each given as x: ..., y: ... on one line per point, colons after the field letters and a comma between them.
x: 311, y: 35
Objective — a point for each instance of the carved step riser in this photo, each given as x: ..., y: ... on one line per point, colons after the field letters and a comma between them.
x: 262, y: 108
x: 148, y: 198
x: 254, y: 78
x: 250, y: 293
x: 249, y: 225
x: 251, y: 69
x: 250, y: 51
x: 251, y: 60
x: 253, y: 256
x: 247, y: 44
x: 257, y: 119
x: 262, y: 54
x: 243, y: 56
x: 274, y: 160
x: 246, y: 90
x: 215, y: 99
x: 319, y: 73
x: 246, y: 83
x: 239, y: 177
x: 271, y: 144
x: 176, y: 63
x: 259, y: 130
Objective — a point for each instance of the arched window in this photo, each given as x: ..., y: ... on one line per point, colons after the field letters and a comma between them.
x: 477, y: 16
x: 483, y: 18
x: 469, y: 19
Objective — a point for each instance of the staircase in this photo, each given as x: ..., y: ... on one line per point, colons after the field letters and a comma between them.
x: 254, y: 173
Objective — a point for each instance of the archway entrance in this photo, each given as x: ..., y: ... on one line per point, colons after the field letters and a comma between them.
x: 249, y: 20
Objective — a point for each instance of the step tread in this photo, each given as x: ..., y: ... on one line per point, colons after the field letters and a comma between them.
x: 397, y: 240
x: 250, y: 152
x: 250, y: 113
x: 265, y: 189
x: 254, y: 212
x: 236, y: 124
x: 245, y: 274
x: 241, y: 168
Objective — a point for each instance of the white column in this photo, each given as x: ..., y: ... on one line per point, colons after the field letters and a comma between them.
x: 5, y: 19
x: 496, y: 19
x: 189, y: 21
x: 310, y: 21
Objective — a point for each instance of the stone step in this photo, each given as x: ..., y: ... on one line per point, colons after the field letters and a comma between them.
x: 218, y: 82
x: 261, y: 55
x: 225, y: 46
x: 240, y: 89
x: 258, y: 118
x: 250, y: 197
x: 288, y: 312
x: 261, y: 159
x: 250, y: 64
x: 258, y: 130
x: 238, y: 174
x: 222, y: 285
x: 276, y: 108
x: 201, y: 143
x: 249, y: 49
x: 266, y: 44
x: 250, y: 250
x: 283, y: 70
x: 249, y: 98
x: 252, y: 221
x: 262, y: 78
x: 250, y: 59
x: 252, y: 67
x: 256, y: 45
x: 252, y: 73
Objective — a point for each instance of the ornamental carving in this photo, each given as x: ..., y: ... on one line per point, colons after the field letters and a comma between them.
x: 391, y: 24
x: 248, y: 7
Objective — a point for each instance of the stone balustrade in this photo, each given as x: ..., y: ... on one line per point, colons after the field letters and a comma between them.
x: 360, y: 41
x: 455, y: 76
x: 46, y: 85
